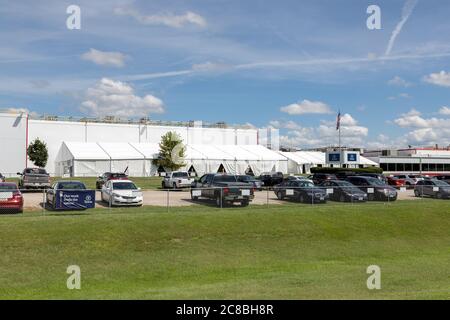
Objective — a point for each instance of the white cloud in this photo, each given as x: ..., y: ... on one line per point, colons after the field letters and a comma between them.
x: 19, y: 111
x: 115, y: 98
x: 115, y: 59
x: 407, y: 10
x: 323, y: 135
x: 440, y: 79
x: 397, y: 81
x: 167, y: 19
x: 400, y: 95
x: 444, y: 111
x: 414, y: 119
x: 306, y: 106
x: 426, y: 131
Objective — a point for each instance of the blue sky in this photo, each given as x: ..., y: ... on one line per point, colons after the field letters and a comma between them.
x: 287, y: 64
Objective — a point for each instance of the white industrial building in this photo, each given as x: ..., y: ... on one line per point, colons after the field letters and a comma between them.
x: 91, y: 147
x: 430, y: 161
x: 300, y: 162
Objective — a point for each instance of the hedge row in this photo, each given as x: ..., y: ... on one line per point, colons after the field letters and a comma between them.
x: 336, y: 170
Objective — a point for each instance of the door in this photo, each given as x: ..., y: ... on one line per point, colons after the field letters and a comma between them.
x: 428, y: 188
x: 106, y: 191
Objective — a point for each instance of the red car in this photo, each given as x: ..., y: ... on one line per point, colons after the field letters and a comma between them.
x: 11, y: 199
x: 395, y: 182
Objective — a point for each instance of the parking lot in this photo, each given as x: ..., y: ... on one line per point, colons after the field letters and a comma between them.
x: 34, y: 200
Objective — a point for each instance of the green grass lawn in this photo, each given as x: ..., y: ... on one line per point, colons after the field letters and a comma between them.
x: 142, y: 182
x: 200, y: 252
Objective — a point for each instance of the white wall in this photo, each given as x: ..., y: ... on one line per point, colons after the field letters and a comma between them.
x: 12, y: 143
x: 55, y: 132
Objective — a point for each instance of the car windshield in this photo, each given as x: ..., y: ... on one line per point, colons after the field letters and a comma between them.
x: 35, y: 171
x: 124, y: 186
x: 71, y: 186
x: 441, y: 183
x: 306, y: 184
x: 344, y: 184
x: 374, y: 182
x: 225, y: 178
x: 8, y: 187
x: 180, y: 175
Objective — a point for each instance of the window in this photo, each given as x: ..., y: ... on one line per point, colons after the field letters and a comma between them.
x: 390, y: 167
x: 415, y: 167
x: 408, y: 167
x: 384, y: 166
x: 400, y: 167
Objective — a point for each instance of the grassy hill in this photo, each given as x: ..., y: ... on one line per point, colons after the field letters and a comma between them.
x: 280, y: 252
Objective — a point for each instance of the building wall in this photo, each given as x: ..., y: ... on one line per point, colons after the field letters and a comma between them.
x: 13, y: 143
x: 13, y: 137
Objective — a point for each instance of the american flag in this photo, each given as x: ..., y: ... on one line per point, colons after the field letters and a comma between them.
x: 338, y: 121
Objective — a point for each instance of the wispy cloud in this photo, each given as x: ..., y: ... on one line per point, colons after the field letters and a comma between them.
x: 407, y: 10
x: 104, y: 58
x: 209, y: 66
x: 167, y: 19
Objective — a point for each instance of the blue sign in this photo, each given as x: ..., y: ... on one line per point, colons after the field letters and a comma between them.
x: 334, y: 157
x: 351, y: 157
x: 74, y: 199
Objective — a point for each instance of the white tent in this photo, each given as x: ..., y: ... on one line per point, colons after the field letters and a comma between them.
x: 81, y: 159
x: 302, y: 161
x: 124, y: 158
x: 150, y: 151
x: 92, y: 159
x: 237, y: 159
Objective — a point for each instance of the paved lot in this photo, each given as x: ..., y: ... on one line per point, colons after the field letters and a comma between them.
x: 33, y: 200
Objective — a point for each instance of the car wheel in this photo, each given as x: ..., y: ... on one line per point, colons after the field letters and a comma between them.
x: 371, y: 197
x: 438, y: 195
x: 163, y: 185
x: 341, y: 198
x: 174, y: 186
x: 194, y: 198
x: 245, y: 203
x: 416, y: 193
x: 280, y: 195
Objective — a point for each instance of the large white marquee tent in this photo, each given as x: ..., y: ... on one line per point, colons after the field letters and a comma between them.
x: 92, y: 159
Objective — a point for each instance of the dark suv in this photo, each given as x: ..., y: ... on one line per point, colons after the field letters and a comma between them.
x: 271, y: 178
x: 223, y: 188
x: 318, y: 178
x: 375, y: 188
x: 101, y: 180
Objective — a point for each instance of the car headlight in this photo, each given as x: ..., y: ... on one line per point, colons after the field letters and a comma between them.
x: 117, y: 195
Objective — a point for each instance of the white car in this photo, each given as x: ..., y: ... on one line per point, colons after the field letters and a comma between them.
x: 122, y: 193
x: 177, y: 180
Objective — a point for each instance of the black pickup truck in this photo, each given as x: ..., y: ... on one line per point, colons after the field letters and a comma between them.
x: 34, y: 178
x: 223, y: 188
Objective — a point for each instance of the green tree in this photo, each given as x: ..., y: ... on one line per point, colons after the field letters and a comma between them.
x: 171, y: 152
x: 38, y: 153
